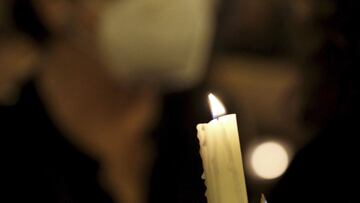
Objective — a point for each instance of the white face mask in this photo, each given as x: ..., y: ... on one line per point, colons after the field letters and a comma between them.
x: 162, y: 42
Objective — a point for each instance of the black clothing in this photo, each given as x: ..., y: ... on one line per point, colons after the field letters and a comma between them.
x: 326, y: 170
x: 37, y: 163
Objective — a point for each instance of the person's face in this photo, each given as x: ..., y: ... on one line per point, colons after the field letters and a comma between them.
x: 163, y: 42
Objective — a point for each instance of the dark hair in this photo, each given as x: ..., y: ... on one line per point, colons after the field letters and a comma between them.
x: 26, y: 20
x: 337, y: 92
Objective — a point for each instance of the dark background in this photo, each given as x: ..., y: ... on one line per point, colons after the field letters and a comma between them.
x: 289, y: 70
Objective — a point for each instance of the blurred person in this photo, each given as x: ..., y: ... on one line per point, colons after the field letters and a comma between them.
x: 97, y: 117
x: 325, y: 170
x: 18, y: 54
x: 75, y: 119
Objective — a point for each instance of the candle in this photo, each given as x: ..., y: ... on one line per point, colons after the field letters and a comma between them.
x: 221, y: 156
x: 263, y: 200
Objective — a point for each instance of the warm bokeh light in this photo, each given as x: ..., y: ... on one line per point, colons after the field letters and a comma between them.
x: 217, y: 108
x: 269, y: 160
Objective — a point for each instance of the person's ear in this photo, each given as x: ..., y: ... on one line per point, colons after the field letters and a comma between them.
x: 54, y: 14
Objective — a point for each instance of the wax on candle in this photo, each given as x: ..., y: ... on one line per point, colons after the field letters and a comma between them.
x: 221, y: 155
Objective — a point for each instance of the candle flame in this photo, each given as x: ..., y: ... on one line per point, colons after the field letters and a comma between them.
x: 217, y: 108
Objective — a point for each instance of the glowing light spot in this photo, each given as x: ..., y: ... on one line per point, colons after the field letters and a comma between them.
x: 269, y: 160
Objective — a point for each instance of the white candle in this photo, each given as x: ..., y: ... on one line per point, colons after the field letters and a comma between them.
x: 263, y: 200
x: 221, y: 155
